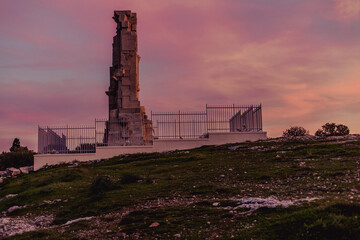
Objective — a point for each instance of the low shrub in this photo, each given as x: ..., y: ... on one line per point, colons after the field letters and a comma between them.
x: 61, y: 216
x: 128, y: 178
x: 69, y: 176
x: 18, y: 156
x: 102, y: 184
x: 332, y: 129
x: 295, y: 132
x: 16, y: 159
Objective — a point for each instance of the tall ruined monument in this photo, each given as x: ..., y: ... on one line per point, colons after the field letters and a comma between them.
x: 128, y: 124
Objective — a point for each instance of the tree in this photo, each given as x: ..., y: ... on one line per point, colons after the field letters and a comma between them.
x: 15, y: 146
x: 342, y: 130
x: 295, y: 132
x: 332, y: 129
x: 17, y: 157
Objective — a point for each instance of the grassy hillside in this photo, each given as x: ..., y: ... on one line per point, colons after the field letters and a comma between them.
x: 261, y: 190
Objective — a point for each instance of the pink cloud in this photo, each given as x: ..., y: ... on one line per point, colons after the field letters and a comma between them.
x: 298, y: 58
x: 348, y: 9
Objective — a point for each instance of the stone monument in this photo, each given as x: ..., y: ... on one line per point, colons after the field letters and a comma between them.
x: 128, y: 123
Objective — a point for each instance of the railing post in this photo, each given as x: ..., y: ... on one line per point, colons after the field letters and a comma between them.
x: 95, y: 136
x: 207, y: 120
x: 67, y: 138
x: 175, y: 127
x: 261, y: 127
x: 252, y: 114
x: 179, y: 125
x: 38, y: 139
x: 233, y: 118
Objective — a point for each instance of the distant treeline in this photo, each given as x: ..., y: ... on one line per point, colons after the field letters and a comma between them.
x: 18, y: 156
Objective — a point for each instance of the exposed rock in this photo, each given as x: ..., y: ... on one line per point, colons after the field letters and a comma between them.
x: 13, y: 208
x: 4, y: 174
x: 185, y: 152
x: 77, y: 220
x: 259, y: 148
x: 51, y: 201
x: 233, y: 147
x: 255, y: 203
x: 270, y: 202
x: 10, y: 226
x: 312, y: 138
x: 216, y: 204
x: 27, y: 169
x: 154, y: 224
x: 7, y: 197
x: 13, y: 171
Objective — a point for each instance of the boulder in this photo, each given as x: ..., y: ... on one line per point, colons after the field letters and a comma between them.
x: 7, y: 197
x: 3, y: 174
x: 27, y: 169
x: 13, y: 208
x: 13, y: 171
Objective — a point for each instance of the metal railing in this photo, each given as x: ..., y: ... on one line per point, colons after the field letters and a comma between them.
x: 66, y: 139
x: 215, y: 119
x: 164, y: 125
x: 169, y: 125
x: 123, y: 132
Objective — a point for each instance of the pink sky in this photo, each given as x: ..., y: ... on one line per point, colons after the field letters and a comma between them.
x: 299, y: 58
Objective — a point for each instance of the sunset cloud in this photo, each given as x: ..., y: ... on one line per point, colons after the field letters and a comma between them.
x: 300, y: 59
x: 348, y: 9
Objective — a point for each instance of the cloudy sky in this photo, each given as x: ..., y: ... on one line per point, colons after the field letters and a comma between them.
x: 299, y: 58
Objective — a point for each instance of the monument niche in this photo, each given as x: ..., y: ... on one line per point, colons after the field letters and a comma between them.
x: 128, y: 123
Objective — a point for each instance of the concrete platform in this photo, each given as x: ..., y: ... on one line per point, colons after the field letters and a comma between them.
x: 158, y: 146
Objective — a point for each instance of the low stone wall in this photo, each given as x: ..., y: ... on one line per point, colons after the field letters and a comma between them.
x: 42, y: 160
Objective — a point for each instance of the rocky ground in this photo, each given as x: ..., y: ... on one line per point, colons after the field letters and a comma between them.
x: 301, y: 188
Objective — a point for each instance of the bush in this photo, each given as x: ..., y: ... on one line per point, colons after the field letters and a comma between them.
x: 332, y: 129
x: 102, y: 184
x: 130, y: 178
x: 295, y: 132
x: 69, y: 176
x: 342, y: 130
x: 16, y: 159
x: 18, y: 156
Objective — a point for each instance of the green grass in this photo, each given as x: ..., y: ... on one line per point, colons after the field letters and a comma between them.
x: 126, y: 194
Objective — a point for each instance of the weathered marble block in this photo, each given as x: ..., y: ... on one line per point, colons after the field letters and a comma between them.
x: 128, y: 123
